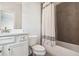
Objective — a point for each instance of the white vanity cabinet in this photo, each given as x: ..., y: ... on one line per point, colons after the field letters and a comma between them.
x: 14, y: 45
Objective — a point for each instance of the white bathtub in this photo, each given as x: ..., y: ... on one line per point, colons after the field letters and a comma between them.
x: 60, y: 51
x: 55, y: 50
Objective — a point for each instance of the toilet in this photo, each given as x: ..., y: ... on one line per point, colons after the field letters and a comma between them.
x: 35, y: 48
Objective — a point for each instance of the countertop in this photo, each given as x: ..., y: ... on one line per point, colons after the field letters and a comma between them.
x: 12, y: 34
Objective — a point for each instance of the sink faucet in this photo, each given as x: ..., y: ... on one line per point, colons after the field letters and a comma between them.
x: 5, y: 30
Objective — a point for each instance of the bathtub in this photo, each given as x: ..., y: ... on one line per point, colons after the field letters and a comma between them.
x: 55, y: 50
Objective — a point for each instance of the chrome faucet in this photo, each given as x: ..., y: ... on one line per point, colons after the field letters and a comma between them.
x: 5, y: 30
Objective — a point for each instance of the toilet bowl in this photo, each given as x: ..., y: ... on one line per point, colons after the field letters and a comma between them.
x: 37, y: 50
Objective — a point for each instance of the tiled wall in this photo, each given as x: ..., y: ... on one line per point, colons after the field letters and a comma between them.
x: 67, y: 17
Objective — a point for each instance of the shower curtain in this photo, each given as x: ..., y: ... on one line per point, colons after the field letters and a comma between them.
x: 48, y: 23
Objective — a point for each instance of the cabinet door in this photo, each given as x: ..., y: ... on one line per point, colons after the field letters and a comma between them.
x: 19, y: 49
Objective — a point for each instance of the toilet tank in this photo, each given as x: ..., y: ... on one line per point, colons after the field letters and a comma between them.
x: 33, y: 40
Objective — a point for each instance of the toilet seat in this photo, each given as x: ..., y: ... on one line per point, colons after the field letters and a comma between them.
x: 39, y: 50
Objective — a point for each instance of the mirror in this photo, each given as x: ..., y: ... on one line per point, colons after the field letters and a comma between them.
x: 6, y: 19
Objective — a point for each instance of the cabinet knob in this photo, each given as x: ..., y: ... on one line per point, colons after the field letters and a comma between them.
x: 0, y: 51
x: 9, y: 49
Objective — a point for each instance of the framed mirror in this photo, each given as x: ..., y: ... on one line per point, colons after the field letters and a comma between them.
x: 7, y: 19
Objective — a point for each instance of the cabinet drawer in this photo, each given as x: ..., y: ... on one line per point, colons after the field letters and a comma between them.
x: 22, y: 38
x: 6, y: 40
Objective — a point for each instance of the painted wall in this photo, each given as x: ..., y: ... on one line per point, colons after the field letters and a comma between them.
x: 31, y: 16
x: 14, y: 7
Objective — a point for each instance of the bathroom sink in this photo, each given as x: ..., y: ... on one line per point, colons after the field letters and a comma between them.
x: 12, y: 32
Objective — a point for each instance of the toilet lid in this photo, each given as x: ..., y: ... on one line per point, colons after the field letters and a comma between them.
x: 38, y: 48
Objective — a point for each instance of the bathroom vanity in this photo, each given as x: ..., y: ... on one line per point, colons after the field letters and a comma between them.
x: 13, y: 44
